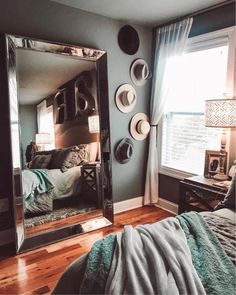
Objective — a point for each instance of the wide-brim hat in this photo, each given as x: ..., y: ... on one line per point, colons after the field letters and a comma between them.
x: 139, y: 126
x: 126, y: 98
x: 128, y: 39
x: 124, y: 150
x: 139, y: 72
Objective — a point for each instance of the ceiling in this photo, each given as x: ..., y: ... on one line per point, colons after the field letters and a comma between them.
x: 143, y: 12
x: 40, y: 74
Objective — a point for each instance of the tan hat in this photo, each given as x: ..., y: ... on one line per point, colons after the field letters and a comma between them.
x: 139, y: 72
x: 126, y: 98
x: 139, y: 126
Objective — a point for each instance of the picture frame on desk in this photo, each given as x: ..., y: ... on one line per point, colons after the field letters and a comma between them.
x: 212, y: 163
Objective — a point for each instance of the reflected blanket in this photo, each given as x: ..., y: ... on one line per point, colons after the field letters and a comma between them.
x: 35, y: 182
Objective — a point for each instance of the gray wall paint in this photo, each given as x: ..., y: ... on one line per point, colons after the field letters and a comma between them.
x: 51, y: 21
x: 28, y: 121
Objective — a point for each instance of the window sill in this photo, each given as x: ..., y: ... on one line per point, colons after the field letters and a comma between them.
x: 174, y: 173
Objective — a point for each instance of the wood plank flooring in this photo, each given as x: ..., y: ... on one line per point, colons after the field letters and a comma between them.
x: 63, y: 222
x: 37, y: 271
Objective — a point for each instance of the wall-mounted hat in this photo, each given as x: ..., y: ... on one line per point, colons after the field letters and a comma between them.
x: 139, y: 126
x: 124, y: 150
x: 126, y: 98
x: 128, y: 40
x: 139, y: 72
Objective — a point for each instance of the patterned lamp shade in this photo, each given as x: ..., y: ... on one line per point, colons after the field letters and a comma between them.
x: 220, y: 113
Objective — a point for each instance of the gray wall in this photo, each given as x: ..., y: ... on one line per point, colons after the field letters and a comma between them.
x: 51, y: 21
x: 28, y: 121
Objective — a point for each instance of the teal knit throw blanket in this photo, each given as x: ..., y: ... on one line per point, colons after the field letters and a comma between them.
x: 98, y: 266
x: 216, y: 271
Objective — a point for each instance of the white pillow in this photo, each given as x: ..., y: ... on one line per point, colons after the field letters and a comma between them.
x: 93, y: 151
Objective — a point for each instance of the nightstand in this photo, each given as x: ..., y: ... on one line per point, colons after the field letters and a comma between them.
x: 91, y: 191
x: 198, y: 193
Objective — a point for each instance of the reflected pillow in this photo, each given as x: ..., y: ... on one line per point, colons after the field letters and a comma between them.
x: 41, y: 161
x: 229, y: 200
x: 70, y: 157
x: 93, y: 151
x: 78, y: 156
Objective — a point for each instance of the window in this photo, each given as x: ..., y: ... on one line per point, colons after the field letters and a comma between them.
x: 184, y: 138
x: 45, y: 123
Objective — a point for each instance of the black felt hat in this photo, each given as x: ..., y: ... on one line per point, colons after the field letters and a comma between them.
x: 128, y: 40
x: 124, y: 150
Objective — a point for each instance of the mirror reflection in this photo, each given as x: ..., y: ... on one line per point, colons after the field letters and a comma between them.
x: 59, y: 139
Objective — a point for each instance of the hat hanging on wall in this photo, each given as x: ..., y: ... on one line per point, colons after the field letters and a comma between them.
x: 139, y: 126
x: 124, y: 150
x: 128, y: 39
x: 139, y: 72
x: 126, y: 98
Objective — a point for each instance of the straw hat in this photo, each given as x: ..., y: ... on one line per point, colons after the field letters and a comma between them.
x: 139, y: 72
x: 139, y: 126
x: 124, y: 150
x: 126, y: 98
x: 128, y: 40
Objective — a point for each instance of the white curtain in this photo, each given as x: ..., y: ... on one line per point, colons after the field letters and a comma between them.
x: 45, y: 122
x: 170, y: 43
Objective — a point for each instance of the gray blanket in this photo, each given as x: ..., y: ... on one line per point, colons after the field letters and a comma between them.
x: 224, y: 230
x: 153, y: 259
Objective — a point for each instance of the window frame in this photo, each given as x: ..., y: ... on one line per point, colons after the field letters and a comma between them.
x: 201, y: 42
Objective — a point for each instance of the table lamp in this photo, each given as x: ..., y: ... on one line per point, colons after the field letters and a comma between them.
x: 93, y: 123
x: 221, y: 113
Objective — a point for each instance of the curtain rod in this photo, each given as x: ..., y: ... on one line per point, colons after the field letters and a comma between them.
x: 196, y: 13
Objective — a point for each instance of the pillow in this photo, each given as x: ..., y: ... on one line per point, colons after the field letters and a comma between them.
x: 40, y: 161
x: 60, y: 156
x: 70, y: 157
x: 93, y: 149
x: 229, y: 200
x: 78, y: 156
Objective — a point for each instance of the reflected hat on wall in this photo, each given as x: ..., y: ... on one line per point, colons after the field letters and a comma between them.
x: 128, y: 39
x: 139, y: 72
x: 126, y: 98
x: 139, y: 126
x: 124, y: 150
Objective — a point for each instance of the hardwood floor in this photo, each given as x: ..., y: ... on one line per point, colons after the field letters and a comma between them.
x: 63, y: 222
x: 37, y: 271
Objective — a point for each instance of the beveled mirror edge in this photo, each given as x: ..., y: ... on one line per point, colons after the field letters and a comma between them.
x: 32, y: 242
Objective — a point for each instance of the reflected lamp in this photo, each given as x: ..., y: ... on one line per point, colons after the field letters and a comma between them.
x: 93, y: 123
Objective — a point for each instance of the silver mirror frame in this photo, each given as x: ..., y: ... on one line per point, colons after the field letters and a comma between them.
x: 12, y: 43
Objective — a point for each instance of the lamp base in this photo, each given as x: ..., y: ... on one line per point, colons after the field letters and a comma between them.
x: 220, y: 177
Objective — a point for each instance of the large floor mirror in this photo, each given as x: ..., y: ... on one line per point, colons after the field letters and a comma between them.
x: 60, y: 140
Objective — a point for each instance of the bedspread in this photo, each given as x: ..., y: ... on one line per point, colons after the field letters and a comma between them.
x: 214, y: 267
x: 161, y: 258
x: 224, y: 230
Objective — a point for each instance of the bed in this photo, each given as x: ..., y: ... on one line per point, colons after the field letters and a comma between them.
x: 192, y: 253
x: 54, y: 175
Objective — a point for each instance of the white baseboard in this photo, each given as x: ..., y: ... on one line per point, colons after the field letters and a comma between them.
x: 128, y: 205
x: 138, y: 202
x: 167, y: 205
x: 7, y: 236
